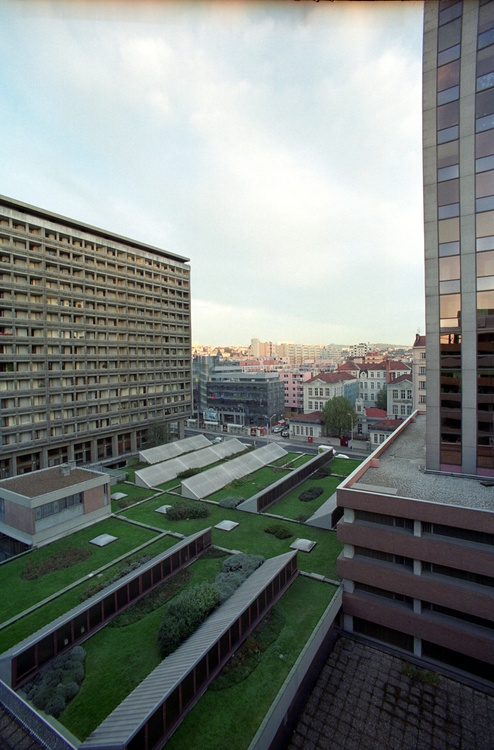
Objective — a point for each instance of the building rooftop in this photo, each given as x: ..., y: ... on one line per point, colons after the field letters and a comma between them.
x: 401, y: 471
x: 42, y: 482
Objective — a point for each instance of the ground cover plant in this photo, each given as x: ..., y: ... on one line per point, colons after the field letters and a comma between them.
x: 43, y: 615
x: 30, y: 591
x: 55, y: 686
x: 134, y: 495
x: 251, y: 484
x: 230, y: 716
x: 119, y: 657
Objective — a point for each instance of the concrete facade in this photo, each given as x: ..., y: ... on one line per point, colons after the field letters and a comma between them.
x: 41, y: 506
x: 94, y: 341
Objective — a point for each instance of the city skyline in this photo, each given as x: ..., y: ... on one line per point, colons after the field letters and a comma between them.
x: 277, y: 145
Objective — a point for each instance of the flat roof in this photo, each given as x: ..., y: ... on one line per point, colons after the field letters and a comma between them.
x: 41, y: 213
x: 402, y: 472
x: 36, y: 483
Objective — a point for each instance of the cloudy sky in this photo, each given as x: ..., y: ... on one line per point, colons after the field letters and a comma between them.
x: 276, y: 144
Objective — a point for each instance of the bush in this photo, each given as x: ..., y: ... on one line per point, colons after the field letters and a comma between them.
x: 235, y: 570
x: 279, y: 531
x: 231, y: 501
x: 310, y: 494
x: 56, y: 685
x: 184, y: 615
x: 187, y: 511
x: 188, y: 473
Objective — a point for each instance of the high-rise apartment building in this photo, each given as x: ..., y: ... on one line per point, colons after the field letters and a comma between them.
x: 458, y: 133
x: 94, y: 340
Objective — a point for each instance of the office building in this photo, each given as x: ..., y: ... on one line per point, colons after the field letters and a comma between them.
x: 458, y: 138
x: 418, y: 520
x: 94, y: 341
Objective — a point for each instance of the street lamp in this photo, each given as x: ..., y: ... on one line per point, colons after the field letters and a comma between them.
x: 269, y: 427
x: 352, y: 423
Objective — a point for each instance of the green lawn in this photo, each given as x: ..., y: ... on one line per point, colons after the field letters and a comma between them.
x: 249, y: 536
x: 28, y: 592
x: 118, y: 659
x: 229, y: 718
x: 45, y: 614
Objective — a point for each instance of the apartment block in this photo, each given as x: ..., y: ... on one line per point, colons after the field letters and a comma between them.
x: 94, y: 340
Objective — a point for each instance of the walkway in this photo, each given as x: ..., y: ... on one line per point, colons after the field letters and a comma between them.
x: 363, y: 700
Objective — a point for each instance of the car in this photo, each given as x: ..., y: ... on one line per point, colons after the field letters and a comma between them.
x: 340, y: 455
x: 218, y: 439
x: 285, y: 433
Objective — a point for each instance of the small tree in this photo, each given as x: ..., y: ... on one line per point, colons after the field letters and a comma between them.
x: 158, y: 434
x: 339, y: 415
x: 382, y: 399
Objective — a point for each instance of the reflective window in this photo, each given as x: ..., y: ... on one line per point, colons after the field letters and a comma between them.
x: 447, y: 154
x: 450, y: 12
x: 446, y: 212
x: 485, y: 164
x: 449, y: 310
x: 486, y: 16
x: 448, y: 55
x: 449, y: 268
x: 485, y: 81
x: 449, y: 35
x: 486, y: 39
x: 485, y: 103
x: 485, y: 61
x: 485, y: 224
x: 448, y: 173
x: 449, y: 248
x: 449, y: 287
x: 484, y: 184
x: 485, y: 303
x: 449, y: 134
x: 485, y: 283
x: 449, y: 230
x: 484, y: 144
x: 448, y: 192
x: 484, y: 123
x: 485, y: 243
x: 448, y: 75
x: 485, y: 264
x: 448, y: 95
x: 485, y: 204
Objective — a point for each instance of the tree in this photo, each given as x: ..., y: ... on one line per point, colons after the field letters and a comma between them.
x: 339, y: 415
x: 382, y: 399
x: 158, y: 434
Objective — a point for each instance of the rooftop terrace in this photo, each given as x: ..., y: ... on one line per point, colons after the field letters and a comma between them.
x: 401, y: 471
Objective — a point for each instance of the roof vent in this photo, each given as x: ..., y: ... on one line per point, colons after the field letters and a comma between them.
x: 65, y: 470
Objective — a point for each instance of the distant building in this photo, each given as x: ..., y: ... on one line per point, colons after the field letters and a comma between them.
x: 372, y: 378
x: 41, y: 506
x: 94, y: 341
x: 293, y: 383
x: 308, y: 426
x: 419, y: 368
x: 400, y: 397
x: 242, y: 398
x: 325, y: 386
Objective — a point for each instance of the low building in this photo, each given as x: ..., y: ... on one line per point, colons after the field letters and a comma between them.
x: 372, y: 378
x: 381, y: 430
x: 41, y: 506
x: 308, y: 426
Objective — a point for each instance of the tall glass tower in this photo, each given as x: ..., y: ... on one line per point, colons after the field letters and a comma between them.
x: 458, y: 142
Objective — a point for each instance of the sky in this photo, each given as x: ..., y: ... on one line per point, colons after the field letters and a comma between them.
x: 275, y: 144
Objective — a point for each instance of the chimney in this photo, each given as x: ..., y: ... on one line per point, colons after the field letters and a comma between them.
x: 388, y: 371
x: 65, y: 470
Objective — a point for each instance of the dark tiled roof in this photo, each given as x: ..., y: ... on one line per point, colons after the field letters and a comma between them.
x: 312, y: 416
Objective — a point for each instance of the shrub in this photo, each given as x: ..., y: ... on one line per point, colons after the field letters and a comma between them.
x: 310, y: 494
x: 187, y: 511
x: 323, y: 472
x: 231, y: 501
x: 58, y: 683
x: 188, y: 473
x: 279, y: 531
x: 62, y: 559
x: 235, y: 570
x: 184, y: 615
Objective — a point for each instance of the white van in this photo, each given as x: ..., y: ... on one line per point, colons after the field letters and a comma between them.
x: 325, y: 448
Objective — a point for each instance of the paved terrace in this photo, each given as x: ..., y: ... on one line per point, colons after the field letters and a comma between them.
x: 401, y: 472
x: 363, y: 701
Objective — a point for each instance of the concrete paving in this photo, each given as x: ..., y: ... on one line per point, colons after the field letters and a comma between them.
x: 366, y: 699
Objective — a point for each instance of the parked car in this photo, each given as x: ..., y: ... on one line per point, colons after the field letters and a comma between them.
x: 285, y: 433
